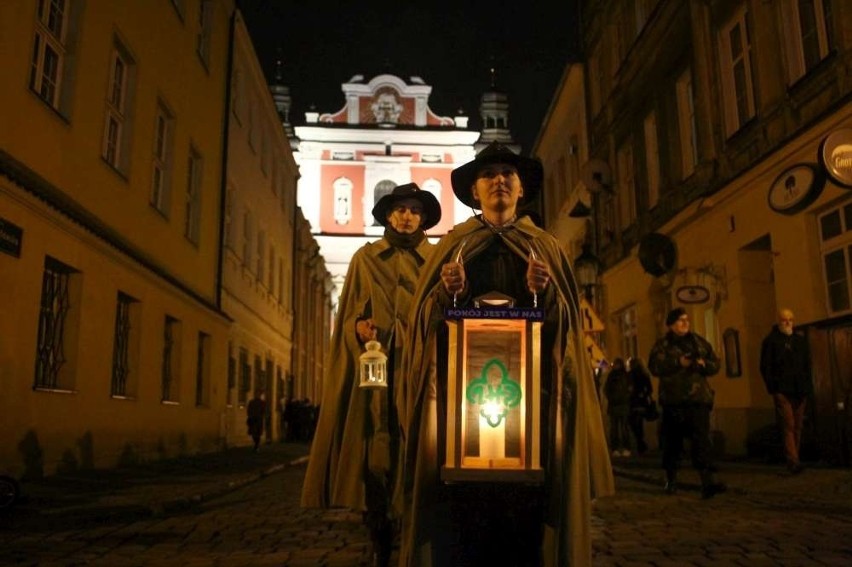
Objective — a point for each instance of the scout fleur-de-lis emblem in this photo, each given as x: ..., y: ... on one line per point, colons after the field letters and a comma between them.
x: 494, y: 400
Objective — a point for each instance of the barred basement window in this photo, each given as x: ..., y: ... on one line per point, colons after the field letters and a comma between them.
x: 170, y: 354
x: 52, y: 324
x: 202, y: 370
x: 121, y: 351
x: 245, y: 377
x: 232, y: 376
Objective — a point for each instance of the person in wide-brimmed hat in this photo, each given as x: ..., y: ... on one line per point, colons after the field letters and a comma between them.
x: 529, y: 170
x: 429, y: 206
x: 500, y: 250
x: 355, y: 449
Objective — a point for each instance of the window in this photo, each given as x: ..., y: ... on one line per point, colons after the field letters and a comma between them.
x: 57, y: 324
x: 50, y: 51
x: 807, y: 34
x: 179, y: 7
x: 737, y: 78
x: 652, y: 159
x: 281, y: 281
x: 205, y: 25
x: 116, y: 130
x: 264, y: 154
x: 162, y: 160
x: 261, y: 256
x: 236, y: 94
x: 228, y: 230
x: 381, y: 189
x: 259, y: 375
x: 687, y: 129
x: 170, y: 360
x: 271, y: 272
x: 232, y: 376
x: 342, y: 200
x: 626, y: 186
x: 248, y: 238
x: 124, y: 351
x: 629, y: 332
x: 245, y: 377
x: 202, y: 371
x: 836, y: 248
x: 192, y: 210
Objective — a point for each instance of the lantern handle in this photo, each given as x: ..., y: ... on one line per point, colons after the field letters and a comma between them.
x: 458, y: 259
x: 532, y: 258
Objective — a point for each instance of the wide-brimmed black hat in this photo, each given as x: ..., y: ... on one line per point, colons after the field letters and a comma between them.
x: 529, y: 170
x: 431, y: 206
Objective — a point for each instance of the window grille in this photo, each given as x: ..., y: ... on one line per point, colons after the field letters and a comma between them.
x: 121, y: 345
x: 55, y: 303
x: 201, y: 370
x: 168, y: 358
x: 245, y: 376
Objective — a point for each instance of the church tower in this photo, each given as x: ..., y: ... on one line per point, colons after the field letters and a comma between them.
x: 494, y: 112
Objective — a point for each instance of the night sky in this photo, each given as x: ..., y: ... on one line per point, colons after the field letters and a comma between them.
x: 323, y: 44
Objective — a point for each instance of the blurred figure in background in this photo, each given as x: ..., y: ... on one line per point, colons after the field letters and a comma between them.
x: 617, y: 392
x: 642, y: 405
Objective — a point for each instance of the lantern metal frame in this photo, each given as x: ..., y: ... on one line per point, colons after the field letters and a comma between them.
x: 488, y: 461
x: 373, y: 365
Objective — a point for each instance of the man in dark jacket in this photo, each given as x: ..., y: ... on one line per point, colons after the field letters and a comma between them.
x: 683, y: 361
x: 785, y: 365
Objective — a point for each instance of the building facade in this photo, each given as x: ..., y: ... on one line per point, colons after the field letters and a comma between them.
x: 718, y: 166
x: 385, y: 135
x: 126, y: 299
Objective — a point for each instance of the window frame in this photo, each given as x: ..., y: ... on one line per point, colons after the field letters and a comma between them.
x: 162, y: 159
x: 733, y: 94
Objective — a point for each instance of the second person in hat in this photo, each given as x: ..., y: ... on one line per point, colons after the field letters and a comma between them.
x: 355, y: 449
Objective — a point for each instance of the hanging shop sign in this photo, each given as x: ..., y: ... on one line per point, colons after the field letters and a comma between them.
x: 11, y: 236
x: 835, y: 153
x: 692, y: 294
x: 796, y: 188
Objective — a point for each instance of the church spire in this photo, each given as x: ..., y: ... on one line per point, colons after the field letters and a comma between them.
x: 281, y: 97
x: 494, y: 113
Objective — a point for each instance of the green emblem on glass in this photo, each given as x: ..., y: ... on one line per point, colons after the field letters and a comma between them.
x: 495, y: 401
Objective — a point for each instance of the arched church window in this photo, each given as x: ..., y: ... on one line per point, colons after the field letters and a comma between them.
x: 383, y: 187
x: 342, y: 200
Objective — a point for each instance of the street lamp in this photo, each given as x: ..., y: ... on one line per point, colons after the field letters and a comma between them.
x: 586, y: 268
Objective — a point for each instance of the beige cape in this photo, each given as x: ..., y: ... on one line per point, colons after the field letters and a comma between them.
x: 579, y: 467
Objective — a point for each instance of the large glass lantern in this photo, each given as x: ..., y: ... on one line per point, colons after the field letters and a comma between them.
x: 374, y: 366
x: 493, y: 396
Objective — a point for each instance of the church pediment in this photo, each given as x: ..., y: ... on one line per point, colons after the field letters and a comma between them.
x: 387, y: 101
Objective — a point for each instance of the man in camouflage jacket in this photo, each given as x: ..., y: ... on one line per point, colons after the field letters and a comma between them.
x: 683, y: 361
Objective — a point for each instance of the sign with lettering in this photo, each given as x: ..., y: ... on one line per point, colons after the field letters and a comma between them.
x: 836, y: 155
x: 10, y: 238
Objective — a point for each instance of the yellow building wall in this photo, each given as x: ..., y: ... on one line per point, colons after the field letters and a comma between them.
x: 714, y: 233
x: 264, y: 185
x: 121, y: 243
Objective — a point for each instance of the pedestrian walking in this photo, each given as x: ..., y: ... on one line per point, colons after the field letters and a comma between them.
x: 355, y: 451
x: 642, y: 405
x: 683, y: 361
x: 255, y: 417
x: 785, y: 365
x: 484, y: 523
x: 617, y: 390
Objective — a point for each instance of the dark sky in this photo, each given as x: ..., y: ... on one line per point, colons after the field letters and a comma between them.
x: 323, y: 44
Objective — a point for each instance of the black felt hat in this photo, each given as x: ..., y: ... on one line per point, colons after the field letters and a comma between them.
x: 529, y: 170
x: 431, y: 207
x: 674, y: 315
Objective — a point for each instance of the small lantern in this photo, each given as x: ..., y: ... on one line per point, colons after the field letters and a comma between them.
x: 493, y: 395
x: 374, y: 366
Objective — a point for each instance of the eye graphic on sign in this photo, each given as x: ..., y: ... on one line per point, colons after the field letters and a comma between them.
x: 795, y: 189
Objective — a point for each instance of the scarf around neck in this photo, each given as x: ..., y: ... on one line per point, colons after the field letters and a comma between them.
x: 405, y: 241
